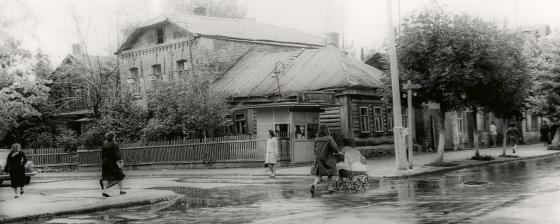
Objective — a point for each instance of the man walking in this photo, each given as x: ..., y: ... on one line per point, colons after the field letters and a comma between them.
x: 493, y: 133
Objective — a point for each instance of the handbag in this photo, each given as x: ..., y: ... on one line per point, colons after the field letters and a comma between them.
x: 120, y: 164
x: 339, y: 157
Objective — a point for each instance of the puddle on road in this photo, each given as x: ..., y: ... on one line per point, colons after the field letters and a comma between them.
x: 454, y: 197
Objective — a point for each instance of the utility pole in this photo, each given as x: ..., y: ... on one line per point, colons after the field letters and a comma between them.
x: 409, y: 87
x: 397, y: 116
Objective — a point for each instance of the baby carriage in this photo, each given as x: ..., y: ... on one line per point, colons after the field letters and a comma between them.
x: 352, y: 173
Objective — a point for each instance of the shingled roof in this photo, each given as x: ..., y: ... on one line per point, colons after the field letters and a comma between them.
x: 94, y: 63
x: 306, y: 70
x: 240, y: 29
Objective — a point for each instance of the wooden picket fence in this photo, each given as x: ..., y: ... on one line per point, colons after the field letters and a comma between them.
x: 208, y: 152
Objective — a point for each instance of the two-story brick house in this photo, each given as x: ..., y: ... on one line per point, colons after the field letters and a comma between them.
x: 176, y: 46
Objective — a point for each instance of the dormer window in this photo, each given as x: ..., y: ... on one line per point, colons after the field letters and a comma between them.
x: 160, y: 34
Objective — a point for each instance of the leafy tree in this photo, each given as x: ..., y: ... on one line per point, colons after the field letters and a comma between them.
x: 21, y: 91
x: 121, y: 115
x: 459, y: 61
x: 543, y: 57
x: 68, y: 139
x: 192, y: 107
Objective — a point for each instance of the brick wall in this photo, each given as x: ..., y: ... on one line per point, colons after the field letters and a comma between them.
x: 208, y: 56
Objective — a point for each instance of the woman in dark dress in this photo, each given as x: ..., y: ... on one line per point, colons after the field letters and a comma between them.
x: 15, y: 165
x: 325, y: 161
x: 545, y: 130
x: 111, y: 162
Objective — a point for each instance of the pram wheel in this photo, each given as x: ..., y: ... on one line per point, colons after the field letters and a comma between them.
x: 339, y: 184
x: 357, y: 184
x: 365, y: 183
x: 348, y: 183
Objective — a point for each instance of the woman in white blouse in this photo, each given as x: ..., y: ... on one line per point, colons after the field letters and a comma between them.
x: 271, y: 153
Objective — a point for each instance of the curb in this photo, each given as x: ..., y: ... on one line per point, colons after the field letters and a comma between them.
x: 484, y: 163
x: 89, y: 209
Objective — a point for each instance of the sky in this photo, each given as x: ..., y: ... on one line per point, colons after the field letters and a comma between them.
x: 361, y: 23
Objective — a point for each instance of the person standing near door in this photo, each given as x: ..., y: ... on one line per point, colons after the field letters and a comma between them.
x: 271, y: 155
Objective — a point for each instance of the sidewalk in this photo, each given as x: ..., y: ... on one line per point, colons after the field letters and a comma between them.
x: 377, y: 168
x: 33, y: 206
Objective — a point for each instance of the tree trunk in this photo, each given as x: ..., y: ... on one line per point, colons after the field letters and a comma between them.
x: 504, y: 142
x: 475, y: 133
x: 455, y: 130
x: 441, y: 138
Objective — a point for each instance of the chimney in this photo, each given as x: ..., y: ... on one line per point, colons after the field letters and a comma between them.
x: 362, y: 56
x: 77, y: 49
x: 332, y: 39
x: 200, y: 11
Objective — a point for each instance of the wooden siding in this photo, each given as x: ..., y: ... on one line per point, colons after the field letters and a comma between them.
x: 331, y: 117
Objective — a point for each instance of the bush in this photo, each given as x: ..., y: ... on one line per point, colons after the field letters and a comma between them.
x: 94, y: 136
x: 68, y: 140
x: 42, y: 140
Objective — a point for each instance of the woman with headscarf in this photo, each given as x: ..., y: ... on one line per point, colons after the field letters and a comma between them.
x: 325, y: 160
x: 112, y: 164
x: 15, y: 165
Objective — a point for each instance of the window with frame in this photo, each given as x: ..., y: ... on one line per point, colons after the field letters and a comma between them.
x: 156, y: 71
x: 160, y: 35
x: 182, y: 69
x: 534, y: 122
x: 390, y: 119
x: 365, y: 124
x: 240, y: 124
x: 300, y: 131
x: 135, y: 86
x: 282, y: 131
x: 378, y: 119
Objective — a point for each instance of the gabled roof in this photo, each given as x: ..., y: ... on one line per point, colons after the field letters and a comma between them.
x: 306, y: 70
x: 106, y: 63
x: 240, y: 29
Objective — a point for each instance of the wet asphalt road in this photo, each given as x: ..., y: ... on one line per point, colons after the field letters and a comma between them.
x: 518, y: 192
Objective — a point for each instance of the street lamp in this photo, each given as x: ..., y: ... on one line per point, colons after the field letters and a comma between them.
x: 409, y: 87
x: 278, y: 69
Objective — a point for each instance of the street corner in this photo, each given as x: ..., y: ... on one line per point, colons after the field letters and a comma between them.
x: 33, y: 206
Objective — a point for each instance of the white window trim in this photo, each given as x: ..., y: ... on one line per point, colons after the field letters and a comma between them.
x: 362, y: 125
x: 381, y: 127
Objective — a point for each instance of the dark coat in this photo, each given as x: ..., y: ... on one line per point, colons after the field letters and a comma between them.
x: 15, y: 165
x: 110, y: 154
x: 545, y: 133
x: 325, y: 161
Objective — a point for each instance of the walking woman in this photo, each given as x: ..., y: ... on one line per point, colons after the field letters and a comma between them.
x: 513, y: 136
x: 112, y: 164
x: 325, y: 161
x: 545, y: 133
x: 271, y: 153
x: 15, y: 165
